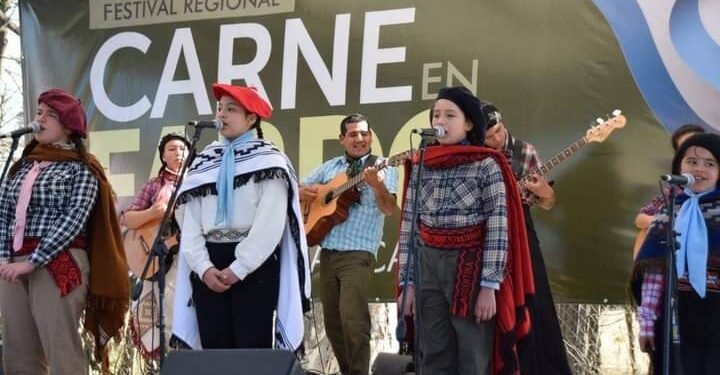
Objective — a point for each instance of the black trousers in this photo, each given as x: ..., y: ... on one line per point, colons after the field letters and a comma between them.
x: 699, y: 323
x: 242, y: 316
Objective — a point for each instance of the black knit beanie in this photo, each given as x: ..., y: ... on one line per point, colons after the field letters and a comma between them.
x: 469, y: 104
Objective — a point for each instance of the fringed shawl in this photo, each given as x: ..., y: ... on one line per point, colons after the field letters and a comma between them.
x: 257, y: 159
x: 109, y: 288
x: 653, y: 252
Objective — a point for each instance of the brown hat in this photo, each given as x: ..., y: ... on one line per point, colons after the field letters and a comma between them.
x: 247, y: 97
x: 70, y: 111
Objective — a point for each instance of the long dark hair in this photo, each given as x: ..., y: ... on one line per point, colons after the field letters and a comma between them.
x: 708, y: 141
x: 258, y: 128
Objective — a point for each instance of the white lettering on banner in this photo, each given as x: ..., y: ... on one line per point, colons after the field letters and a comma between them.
x: 427, y: 79
x: 373, y: 56
x: 332, y: 82
x: 182, y: 44
x: 97, y: 77
x: 333, y: 85
x: 250, y: 72
x: 452, y: 73
x: 108, y: 14
x: 391, y: 261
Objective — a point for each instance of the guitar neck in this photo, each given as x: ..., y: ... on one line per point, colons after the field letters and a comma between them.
x: 559, y: 157
x: 354, y: 181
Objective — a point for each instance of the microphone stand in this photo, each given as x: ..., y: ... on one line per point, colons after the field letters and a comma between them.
x: 671, y: 333
x: 414, y: 259
x: 160, y: 251
x: 11, y: 152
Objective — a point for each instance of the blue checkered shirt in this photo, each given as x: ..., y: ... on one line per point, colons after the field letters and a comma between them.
x: 467, y: 195
x: 62, y: 197
x: 363, y: 228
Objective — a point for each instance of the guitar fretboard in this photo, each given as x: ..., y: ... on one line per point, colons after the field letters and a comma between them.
x: 352, y: 181
x: 555, y: 160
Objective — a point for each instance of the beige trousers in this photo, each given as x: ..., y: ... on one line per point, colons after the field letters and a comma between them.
x: 40, y: 329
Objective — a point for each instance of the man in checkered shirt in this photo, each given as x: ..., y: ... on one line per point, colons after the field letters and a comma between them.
x: 347, y: 255
x: 545, y: 350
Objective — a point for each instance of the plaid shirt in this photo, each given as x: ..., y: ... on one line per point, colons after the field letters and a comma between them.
x: 363, y: 228
x: 528, y: 157
x: 651, y: 292
x: 653, y: 207
x: 528, y: 160
x: 466, y: 195
x: 656, y: 204
x: 62, y: 197
x: 148, y: 193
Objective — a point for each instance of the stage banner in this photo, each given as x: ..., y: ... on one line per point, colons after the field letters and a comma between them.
x: 144, y: 68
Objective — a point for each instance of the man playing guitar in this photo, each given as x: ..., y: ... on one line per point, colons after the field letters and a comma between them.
x: 544, y: 350
x: 347, y: 255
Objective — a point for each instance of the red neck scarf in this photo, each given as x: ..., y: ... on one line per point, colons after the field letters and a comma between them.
x: 512, y: 319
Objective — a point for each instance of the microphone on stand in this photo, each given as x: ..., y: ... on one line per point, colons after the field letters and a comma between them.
x: 435, y: 131
x: 32, y: 127
x: 137, y: 290
x: 685, y: 179
x: 206, y: 124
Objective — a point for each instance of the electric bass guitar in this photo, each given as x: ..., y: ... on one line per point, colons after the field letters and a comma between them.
x: 596, y: 133
x: 138, y: 247
x: 333, y: 201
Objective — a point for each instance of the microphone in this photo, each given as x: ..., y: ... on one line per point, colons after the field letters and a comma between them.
x: 435, y: 131
x: 214, y: 124
x: 33, y: 127
x: 686, y: 179
x: 137, y: 290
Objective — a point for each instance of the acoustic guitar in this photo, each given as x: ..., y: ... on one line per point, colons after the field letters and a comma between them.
x: 639, y: 240
x: 138, y: 247
x: 596, y: 133
x: 333, y: 201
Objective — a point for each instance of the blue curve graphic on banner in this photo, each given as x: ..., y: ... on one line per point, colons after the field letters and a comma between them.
x: 693, y: 42
x: 652, y: 78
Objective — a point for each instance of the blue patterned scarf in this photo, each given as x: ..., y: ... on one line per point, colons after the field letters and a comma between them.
x: 226, y: 176
x: 693, y: 240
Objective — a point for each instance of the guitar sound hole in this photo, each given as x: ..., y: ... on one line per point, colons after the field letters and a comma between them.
x: 328, y: 198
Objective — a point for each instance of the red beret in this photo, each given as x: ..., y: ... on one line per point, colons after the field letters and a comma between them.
x: 68, y: 108
x: 247, y: 97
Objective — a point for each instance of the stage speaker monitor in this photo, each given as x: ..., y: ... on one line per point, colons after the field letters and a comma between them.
x: 231, y: 361
x: 392, y: 364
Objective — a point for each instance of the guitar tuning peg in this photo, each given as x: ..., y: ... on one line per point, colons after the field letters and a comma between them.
x: 616, y: 112
x: 599, y: 120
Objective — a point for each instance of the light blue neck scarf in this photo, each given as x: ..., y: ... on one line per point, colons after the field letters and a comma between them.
x: 226, y: 176
x: 693, y: 240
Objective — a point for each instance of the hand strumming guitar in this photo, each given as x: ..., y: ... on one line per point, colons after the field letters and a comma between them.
x: 308, y: 193
x: 541, y: 189
x: 374, y: 178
